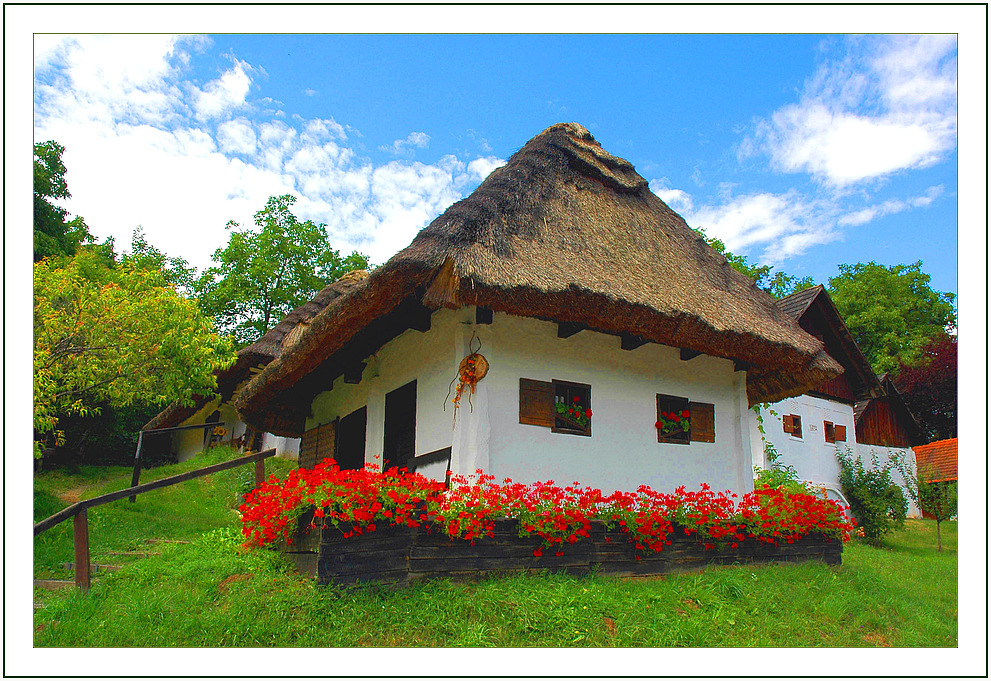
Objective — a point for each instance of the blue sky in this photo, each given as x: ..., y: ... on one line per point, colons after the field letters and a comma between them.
x: 802, y: 151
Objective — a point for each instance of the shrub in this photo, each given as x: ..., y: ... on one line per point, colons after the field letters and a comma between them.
x: 877, y: 503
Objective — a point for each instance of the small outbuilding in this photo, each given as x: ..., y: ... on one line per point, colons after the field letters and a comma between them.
x: 250, y: 360
x: 855, y: 411
x: 563, y: 323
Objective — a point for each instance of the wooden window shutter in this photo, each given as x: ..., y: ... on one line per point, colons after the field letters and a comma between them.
x: 317, y: 444
x: 537, y: 403
x: 839, y: 433
x: 703, y: 425
x: 788, y: 423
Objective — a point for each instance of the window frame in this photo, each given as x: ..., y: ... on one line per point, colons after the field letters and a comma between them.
x: 792, y: 423
x: 568, y: 388
x: 681, y: 404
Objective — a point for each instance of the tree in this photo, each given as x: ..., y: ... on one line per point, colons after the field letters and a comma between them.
x: 264, y: 273
x: 892, y: 312
x: 145, y: 256
x: 779, y: 285
x: 930, y: 389
x: 53, y: 234
x: 938, y: 499
x: 118, y: 336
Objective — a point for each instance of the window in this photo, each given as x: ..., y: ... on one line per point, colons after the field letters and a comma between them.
x: 540, y: 400
x: 681, y: 422
x: 572, y: 408
x: 673, y: 420
x: 828, y: 429
x: 792, y: 424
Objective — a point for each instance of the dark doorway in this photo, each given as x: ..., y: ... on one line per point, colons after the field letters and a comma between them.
x: 351, y: 440
x: 400, y: 426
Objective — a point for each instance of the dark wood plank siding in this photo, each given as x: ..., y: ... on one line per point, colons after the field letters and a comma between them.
x: 879, y: 426
x: 838, y: 388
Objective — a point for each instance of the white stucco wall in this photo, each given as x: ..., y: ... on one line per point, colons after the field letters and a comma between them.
x: 431, y: 359
x: 812, y: 457
x: 188, y: 443
x: 623, y: 451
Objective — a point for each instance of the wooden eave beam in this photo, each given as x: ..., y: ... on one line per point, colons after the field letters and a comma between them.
x: 352, y: 373
x: 569, y: 329
x: 483, y: 315
x: 627, y: 341
x: 410, y: 314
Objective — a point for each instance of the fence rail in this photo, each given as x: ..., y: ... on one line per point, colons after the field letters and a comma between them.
x: 80, y: 525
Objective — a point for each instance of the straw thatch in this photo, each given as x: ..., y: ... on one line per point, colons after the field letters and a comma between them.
x: 283, y: 335
x: 567, y: 232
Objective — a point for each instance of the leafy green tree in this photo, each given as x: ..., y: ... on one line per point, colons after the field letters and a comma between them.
x: 938, y: 499
x: 145, y: 256
x: 263, y: 273
x: 53, y: 234
x: 116, y: 336
x: 877, y: 503
x: 892, y: 312
x: 779, y: 285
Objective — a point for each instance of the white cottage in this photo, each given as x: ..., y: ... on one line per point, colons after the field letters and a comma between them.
x: 582, y: 289
x: 217, y: 408
x: 855, y: 411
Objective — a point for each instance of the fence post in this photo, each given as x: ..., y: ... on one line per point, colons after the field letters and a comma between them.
x: 259, y: 472
x: 80, y: 543
x: 136, y: 473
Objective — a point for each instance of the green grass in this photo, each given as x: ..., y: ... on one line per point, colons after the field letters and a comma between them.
x: 213, y: 593
x: 184, y: 511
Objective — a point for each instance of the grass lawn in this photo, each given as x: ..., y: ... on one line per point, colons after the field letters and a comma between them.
x: 213, y: 593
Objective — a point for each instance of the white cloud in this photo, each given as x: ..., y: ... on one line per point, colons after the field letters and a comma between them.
x: 785, y: 225
x: 678, y: 200
x: 223, y: 95
x: 145, y: 146
x: 481, y: 168
x: 889, y: 207
x: 415, y: 140
x: 237, y: 137
x: 888, y: 105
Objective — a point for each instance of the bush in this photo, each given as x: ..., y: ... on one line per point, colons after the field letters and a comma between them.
x: 877, y: 503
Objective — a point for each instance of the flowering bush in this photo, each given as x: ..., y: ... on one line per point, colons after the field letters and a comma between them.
x: 671, y: 422
x: 574, y: 411
x: 364, y: 499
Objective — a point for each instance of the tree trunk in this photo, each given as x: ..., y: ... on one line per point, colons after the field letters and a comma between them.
x: 939, y: 541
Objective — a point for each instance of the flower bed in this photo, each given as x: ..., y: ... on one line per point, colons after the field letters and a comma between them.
x: 397, y: 525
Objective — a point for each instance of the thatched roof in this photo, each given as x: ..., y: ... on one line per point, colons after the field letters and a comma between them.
x: 567, y: 232
x: 262, y: 351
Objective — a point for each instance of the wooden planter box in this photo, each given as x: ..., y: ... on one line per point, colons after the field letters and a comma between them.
x: 399, y: 555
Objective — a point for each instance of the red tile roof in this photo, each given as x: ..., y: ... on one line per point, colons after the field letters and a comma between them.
x: 941, y: 455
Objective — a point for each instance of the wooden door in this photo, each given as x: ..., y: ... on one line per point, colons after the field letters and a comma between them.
x: 351, y: 440
x: 400, y: 426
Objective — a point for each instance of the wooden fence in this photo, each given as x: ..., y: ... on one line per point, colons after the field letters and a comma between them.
x: 80, y: 524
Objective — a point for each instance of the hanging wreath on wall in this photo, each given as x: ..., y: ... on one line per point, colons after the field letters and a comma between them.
x: 471, y: 370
